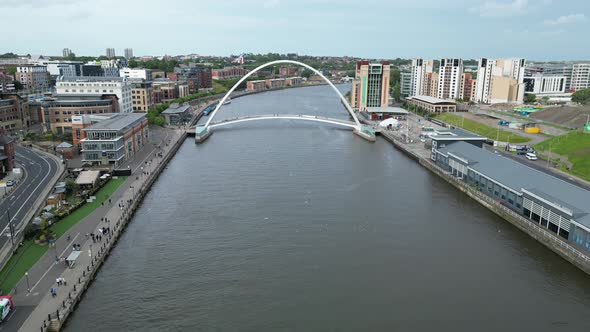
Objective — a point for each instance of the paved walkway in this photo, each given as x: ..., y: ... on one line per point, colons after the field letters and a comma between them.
x: 42, y: 277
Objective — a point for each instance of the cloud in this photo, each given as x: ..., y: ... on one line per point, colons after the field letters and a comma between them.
x: 501, y: 9
x: 565, y: 19
x: 270, y: 3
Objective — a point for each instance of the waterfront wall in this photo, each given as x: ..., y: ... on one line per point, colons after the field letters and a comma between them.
x: 56, y: 321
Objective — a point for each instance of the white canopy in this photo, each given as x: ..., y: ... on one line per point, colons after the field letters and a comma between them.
x: 391, y: 121
x: 87, y: 177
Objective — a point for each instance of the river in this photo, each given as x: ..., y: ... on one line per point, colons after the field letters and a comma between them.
x: 286, y: 225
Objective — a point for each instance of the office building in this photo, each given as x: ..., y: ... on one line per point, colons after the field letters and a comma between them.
x: 540, y: 84
x: 420, y: 71
x: 500, y: 81
x: 57, y: 111
x: 128, y: 53
x: 405, y: 84
x: 33, y: 77
x: 97, y: 86
x: 136, y: 73
x: 370, y: 87
x: 84, y: 120
x: 141, y: 95
x: 449, y: 78
x: 550, y: 203
x: 433, y: 104
x: 115, y: 139
x: 228, y: 73
x: 66, y: 52
x: 110, y: 53
x: 580, y: 76
x: 183, y: 90
x: 431, y: 89
x: 177, y: 114
x: 7, y: 153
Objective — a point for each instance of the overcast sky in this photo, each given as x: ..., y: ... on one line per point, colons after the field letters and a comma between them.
x: 535, y: 29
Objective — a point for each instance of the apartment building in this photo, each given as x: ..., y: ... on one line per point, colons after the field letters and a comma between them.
x: 228, y: 73
x: 293, y: 81
x: 196, y: 76
x: 141, y: 95
x: 128, y: 53
x: 500, y: 81
x: 6, y: 82
x: 449, y: 78
x: 33, y: 77
x: 163, y: 90
x: 370, y: 87
x: 420, y: 72
x: 110, y: 52
x: 256, y: 85
x: 468, y: 85
x: 431, y: 88
x: 13, y: 113
x: 405, y: 84
x: 97, y: 86
x: 275, y: 83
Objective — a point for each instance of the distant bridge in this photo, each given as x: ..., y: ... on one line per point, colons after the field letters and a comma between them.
x: 314, y: 118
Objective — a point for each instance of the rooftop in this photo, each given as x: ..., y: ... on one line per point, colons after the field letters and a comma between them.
x: 454, y: 134
x: 90, y: 79
x: 176, y: 108
x: 520, y: 177
x: 432, y: 100
x: 396, y: 110
x: 118, y: 122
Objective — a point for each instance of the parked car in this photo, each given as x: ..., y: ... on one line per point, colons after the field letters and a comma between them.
x: 531, y: 156
x: 10, y: 183
x: 521, y: 152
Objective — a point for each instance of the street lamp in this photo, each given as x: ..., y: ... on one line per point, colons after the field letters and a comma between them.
x: 27, y: 277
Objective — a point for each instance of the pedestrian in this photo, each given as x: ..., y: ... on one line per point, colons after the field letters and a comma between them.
x: 87, y: 235
x: 57, y: 281
x: 63, y: 281
x: 109, y: 201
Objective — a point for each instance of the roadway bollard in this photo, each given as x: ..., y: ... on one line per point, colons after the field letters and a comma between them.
x: 83, y: 273
x: 75, y: 286
x: 49, y: 317
x: 63, y: 304
x: 79, y: 281
x: 57, y: 314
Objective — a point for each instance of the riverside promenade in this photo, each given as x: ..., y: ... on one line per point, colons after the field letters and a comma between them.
x: 32, y: 294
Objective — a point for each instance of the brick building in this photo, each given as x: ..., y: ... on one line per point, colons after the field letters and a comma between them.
x: 57, y: 111
x: 7, y: 153
x: 228, y: 73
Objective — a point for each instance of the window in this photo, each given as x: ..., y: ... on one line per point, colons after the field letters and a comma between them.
x: 564, y: 234
x: 535, y: 217
x: 552, y: 226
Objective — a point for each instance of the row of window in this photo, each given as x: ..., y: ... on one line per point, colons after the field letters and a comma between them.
x: 545, y: 223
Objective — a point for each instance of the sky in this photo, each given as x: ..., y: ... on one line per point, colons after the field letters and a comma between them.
x: 377, y: 29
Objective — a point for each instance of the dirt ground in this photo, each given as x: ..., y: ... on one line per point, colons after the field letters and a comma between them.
x: 493, y: 122
x: 569, y: 116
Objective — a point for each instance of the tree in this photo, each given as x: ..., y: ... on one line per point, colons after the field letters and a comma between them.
x: 394, y: 77
x: 581, y: 96
x: 545, y: 99
x: 397, y: 92
x: 133, y: 64
x: 306, y: 73
x: 11, y: 70
x: 71, y: 187
x: 530, y: 98
x: 18, y: 85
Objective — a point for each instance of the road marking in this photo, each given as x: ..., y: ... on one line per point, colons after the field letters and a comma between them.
x: 54, y: 264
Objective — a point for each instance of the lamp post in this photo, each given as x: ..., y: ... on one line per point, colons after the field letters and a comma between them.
x: 27, y: 277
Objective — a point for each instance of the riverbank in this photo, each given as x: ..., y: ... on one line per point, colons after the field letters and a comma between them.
x: 52, y: 312
x: 419, y: 153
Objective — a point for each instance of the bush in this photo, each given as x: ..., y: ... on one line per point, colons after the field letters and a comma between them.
x: 30, y: 231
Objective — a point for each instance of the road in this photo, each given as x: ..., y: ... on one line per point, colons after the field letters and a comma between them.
x: 39, y: 170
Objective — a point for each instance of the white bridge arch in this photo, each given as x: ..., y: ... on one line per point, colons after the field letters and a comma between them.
x: 344, y: 101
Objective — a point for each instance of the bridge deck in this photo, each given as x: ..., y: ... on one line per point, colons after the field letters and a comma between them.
x: 283, y: 116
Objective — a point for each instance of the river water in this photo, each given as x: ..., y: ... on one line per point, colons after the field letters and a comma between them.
x: 284, y: 225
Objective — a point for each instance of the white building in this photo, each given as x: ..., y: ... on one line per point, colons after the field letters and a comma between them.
x: 33, y: 77
x: 420, y: 70
x: 580, y: 76
x: 500, y: 81
x: 60, y: 68
x: 449, y: 78
x: 136, y: 73
x: 97, y: 86
x: 544, y: 85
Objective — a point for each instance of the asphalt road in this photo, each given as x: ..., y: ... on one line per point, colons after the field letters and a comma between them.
x: 38, y: 172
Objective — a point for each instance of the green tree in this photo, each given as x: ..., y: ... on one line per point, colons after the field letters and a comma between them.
x: 581, y: 96
x: 11, y: 70
x: 530, y: 98
x: 394, y: 77
x: 133, y: 64
x: 397, y: 92
x: 545, y: 99
x: 72, y: 187
x: 306, y: 73
x: 18, y: 85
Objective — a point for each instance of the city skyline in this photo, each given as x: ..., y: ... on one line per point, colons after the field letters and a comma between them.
x: 537, y: 30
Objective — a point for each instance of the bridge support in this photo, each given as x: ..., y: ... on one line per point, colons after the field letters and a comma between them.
x: 366, y: 132
x: 202, y: 133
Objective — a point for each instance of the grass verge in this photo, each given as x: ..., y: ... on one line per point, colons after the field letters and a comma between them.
x: 575, y: 146
x: 482, y: 129
x: 30, y: 252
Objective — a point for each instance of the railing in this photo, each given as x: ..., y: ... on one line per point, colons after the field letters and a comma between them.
x: 535, y: 227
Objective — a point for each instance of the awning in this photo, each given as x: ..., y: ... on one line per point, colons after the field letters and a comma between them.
x: 73, y: 256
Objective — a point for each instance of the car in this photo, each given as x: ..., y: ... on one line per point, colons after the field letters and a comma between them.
x: 531, y: 156
x: 10, y: 183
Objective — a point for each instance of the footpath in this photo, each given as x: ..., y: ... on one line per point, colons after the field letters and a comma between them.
x: 107, y: 222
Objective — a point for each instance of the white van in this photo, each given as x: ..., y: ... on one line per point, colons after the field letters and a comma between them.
x: 531, y: 156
